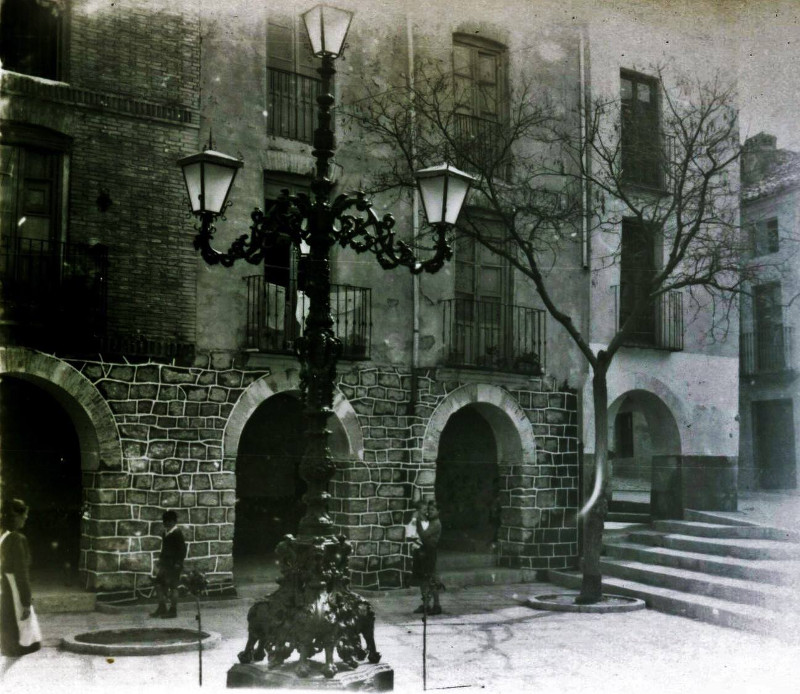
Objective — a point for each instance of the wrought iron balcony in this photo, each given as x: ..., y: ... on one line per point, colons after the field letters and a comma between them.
x: 53, y: 293
x: 659, y: 327
x: 291, y: 105
x: 767, y: 350
x: 276, y: 316
x: 489, y: 335
x: 484, y: 139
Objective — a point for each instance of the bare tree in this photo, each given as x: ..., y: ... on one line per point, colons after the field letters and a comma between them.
x: 553, y: 176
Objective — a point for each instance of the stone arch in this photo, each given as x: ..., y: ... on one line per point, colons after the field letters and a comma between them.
x: 664, y: 431
x: 513, y: 429
x: 345, y: 426
x: 92, y: 417
x: 624, y: 382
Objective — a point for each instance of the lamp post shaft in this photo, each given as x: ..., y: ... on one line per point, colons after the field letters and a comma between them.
x: 318, y: 349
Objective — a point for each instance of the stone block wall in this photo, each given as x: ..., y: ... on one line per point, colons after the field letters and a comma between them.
x: 170, y: 422
x: 373, y: 500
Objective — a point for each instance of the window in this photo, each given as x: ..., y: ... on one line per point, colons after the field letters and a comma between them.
x: 479, y: 80
x: 31, y: 37
x: 641, y: 140
x: 292, y: 81
x: 30, y: 199
x: 284, y: 278
x: 765, y: 237
x: 482, y: 287
x: 277, y: 303
x: 637, y: 268
x: 768, y: 317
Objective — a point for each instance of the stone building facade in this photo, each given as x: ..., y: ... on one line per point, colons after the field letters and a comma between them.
x: 172, y: 383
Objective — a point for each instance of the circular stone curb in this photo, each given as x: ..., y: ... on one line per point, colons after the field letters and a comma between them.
x: 565, y: 602
x: 80, y: 643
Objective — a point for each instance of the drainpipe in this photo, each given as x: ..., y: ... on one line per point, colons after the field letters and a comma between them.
x: 585, y: 260
x: 586, y: 160
x: 415, y: 279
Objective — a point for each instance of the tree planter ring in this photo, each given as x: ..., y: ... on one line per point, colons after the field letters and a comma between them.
x: 139, y: 641
x: 565, y: 602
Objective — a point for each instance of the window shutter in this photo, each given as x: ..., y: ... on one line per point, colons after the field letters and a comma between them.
x: 280, y: 51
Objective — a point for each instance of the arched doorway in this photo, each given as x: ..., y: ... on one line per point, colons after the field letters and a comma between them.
x: 468, y: 482
x: 646, y: 446
x: 40, y: 462
x: 268, y: 486
x: 269, y: 489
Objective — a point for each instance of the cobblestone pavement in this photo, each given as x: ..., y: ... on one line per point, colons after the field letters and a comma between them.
x: 486, y: 641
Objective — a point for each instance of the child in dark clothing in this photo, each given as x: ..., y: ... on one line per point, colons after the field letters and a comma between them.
x: 428, y: 532
x: 170, y: 566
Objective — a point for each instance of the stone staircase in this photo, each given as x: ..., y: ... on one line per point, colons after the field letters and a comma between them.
x: 709, y: 568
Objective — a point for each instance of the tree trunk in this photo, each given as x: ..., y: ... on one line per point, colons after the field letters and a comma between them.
x: 591, y: 588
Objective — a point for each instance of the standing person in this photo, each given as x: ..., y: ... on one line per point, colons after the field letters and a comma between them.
x: 170, y: 566
x: 19, y: 627
x: 428, y: 531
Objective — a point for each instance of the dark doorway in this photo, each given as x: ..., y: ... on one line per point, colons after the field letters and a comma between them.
x: 268, y: 485
x: 40, y: 462
x: 773, y: 425
x: 468, y: 483
x: 632, y: 451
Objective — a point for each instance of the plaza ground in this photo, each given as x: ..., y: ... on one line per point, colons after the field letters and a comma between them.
x: 486, y: 641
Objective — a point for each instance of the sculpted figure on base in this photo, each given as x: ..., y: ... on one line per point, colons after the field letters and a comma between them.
x: 313, y: 610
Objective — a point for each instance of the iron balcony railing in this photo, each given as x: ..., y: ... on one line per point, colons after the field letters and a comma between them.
x: 492, y: 335
x: 767, y: 350
x: 291, y: 104
x: 659, y: 327
x: 276, y: 315
x: 485, y: 141
x: 648, y: 158
x: 54, y: 289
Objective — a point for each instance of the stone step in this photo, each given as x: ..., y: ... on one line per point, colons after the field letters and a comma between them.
x: 718, y: 530
x: 624, y: 517
x: 624, y: 506
x: 484, y: 577
x: 775, y: 572
x: 446, y: 560
x: 699, y: 583
x: 714, y: 517
x: 733, y: 547
x: 701, y: 607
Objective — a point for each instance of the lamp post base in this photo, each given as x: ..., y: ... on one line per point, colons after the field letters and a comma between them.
x: 312, y: 611
x: 372, y: 678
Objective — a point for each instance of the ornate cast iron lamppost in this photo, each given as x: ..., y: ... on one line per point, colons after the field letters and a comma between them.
x: 313, y: 609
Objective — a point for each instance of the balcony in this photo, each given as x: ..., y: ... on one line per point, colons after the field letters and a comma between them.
x: 767, y: 350
x: 660, y: 327
x: 276, y: 316
x: 291, y: 105
x: 53, y: 294
x: 494, y: 336
x: 484, y: 140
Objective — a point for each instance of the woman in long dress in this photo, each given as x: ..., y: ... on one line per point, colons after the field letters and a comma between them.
x: 15, y: 562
